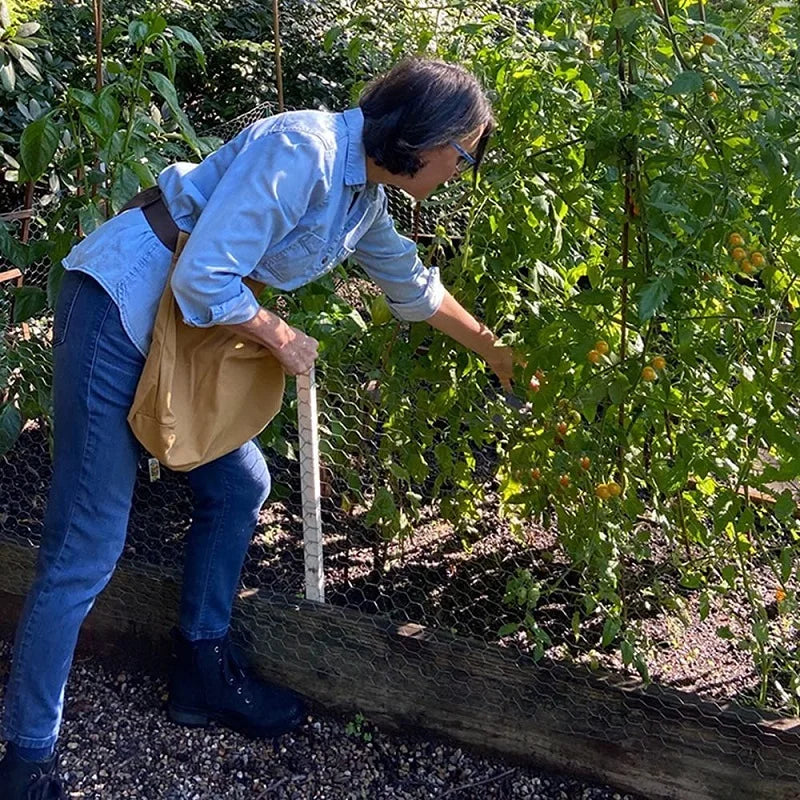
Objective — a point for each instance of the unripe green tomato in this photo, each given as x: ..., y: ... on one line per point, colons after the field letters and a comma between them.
x: 380, y: 311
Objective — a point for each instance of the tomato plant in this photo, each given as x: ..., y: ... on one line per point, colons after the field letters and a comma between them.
x: 621, y: 197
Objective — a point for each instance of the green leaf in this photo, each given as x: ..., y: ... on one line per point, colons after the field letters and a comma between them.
x: 8, y: 77
x: 156, y: 24
x: 628, y: 18
x: 144, y: 174
x: 18, y: 52
x: 383, y: 506
x: 705, y: 606
x: 137, y: 31
x: 108, y: 109
x: 399, y: 472
x: 60, y: 244
x: 125, y: 186
x: 10, y: 427
x: 576, y: 625
x: 356, y: 317
x: 591, y: 397
x: 785, y: 506
x: 28, y: 302
x: 610, y: 629
x: 92, y: 122
x: 444, y: 457
x: 354, y: 47
x: 687, y: 82
x: 729, y: 575
x: 166, y: 89
x: 708, y: 486
x: 30, y: 68
x: 37, y: 147
x: 787, y: 561
x: 90, y: 218
x: 27, y: 29
x: 508, y: 629
x: 189, y: 38
x: 111, y: 35
x: 641, y: 668
x: 653, y: 296
x: 692, y: 580
x: 11, y: 250
x: 331, y: 35
x: 82, y: 97
x: 618, y: 389
x: 760, y: 631
x: 595, y: 297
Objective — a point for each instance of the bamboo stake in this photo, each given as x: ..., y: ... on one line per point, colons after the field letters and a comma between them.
x: 276, y: 27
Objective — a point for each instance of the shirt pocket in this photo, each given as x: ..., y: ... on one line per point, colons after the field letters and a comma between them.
x: 302, y: 258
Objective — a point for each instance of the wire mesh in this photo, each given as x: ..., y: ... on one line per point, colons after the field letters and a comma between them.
x: 453, y: 579
x: 35, y: 273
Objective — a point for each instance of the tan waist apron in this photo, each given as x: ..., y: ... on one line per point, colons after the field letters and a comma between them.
x: 203, y: 392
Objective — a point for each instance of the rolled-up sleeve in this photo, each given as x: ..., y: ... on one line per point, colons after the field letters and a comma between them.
x: 262, y: 196
x: 413, y: 291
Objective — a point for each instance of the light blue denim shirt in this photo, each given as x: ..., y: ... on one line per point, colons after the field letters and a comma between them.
x: 283, y: 202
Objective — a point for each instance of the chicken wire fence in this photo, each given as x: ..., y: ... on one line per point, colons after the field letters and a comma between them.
x: 324, y: 533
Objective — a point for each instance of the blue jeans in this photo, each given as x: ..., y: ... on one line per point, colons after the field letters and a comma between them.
x: 95, y: 462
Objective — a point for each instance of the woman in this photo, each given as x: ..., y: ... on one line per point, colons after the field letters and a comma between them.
x: 283, y: 202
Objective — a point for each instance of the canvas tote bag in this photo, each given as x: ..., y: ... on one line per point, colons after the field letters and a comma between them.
x: 203, y: 392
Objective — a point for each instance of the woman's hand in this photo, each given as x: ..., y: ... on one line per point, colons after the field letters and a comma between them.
x: 501, y: 361
x: 295, y: 351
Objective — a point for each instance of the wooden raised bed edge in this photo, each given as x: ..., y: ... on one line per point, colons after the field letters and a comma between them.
x: 656, y: 742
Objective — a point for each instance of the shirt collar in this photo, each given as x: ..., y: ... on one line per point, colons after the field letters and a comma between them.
x: 355, y: 171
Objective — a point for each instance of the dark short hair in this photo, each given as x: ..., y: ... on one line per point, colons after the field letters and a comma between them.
x: 418, y: 105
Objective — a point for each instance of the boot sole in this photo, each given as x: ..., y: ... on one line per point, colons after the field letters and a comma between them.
x: 196, y: 718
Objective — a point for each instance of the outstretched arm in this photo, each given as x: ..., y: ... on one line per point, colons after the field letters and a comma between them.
x: 454, y: 320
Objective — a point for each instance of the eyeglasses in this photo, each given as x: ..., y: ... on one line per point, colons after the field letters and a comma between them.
x: 465, y: 160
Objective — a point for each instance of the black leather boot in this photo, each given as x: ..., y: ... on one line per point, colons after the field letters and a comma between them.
x: 211, y: 683
x: 29, y: 780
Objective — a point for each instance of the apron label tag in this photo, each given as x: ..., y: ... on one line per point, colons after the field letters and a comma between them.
x: 155, y: 469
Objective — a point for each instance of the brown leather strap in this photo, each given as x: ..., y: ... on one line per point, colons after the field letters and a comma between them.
x: 158, y: 218
x: 143, y: 198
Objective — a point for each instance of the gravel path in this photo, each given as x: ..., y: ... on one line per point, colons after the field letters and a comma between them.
x: 117, y: 743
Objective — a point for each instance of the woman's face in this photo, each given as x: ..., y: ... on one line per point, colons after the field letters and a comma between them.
x: 439, y: 165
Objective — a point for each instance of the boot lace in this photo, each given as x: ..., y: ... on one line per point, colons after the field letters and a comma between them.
x: 234, y: 670
x: 45, y: 787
